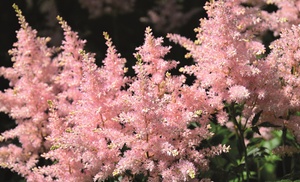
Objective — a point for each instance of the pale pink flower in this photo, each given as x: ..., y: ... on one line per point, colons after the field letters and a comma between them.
x: 222, y: 117
x: 238, y: 93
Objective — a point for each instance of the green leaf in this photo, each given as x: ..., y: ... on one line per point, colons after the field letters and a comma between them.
x: 256, y: 130
x: 268, y: 124
x: 255, y: 141
x: 256, y: 118
x: 192, y: 125
x: 297, y: 113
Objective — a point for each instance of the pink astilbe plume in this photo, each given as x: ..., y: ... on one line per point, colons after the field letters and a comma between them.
x: 68, y: 78
x: 156, y: 119
x: 285, y: 58
x: 142, y: 129
x: 226, y: 55
x: 276, y: 15
x: 45, y: 87
x: 32, y: 85
x: 83, y: 148
x: 284, y: 17
x: 229, y: 62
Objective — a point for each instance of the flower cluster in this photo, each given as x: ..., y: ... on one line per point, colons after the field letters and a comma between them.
x: 80, y: 122
x: 232, y: 65
x: 94, y: 122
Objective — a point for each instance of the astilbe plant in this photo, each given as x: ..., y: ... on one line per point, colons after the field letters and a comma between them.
x: 92, y: 123
x: 247, y: 86
x: 80, y: 122
x: 31, y: 76
x: 232, y: 65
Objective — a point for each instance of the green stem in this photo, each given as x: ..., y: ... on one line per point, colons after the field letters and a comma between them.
x: 240, y: 134
x: 292, y: 167
x: 284, y: 131
x: 258, y: 171
x: 246, y: 156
